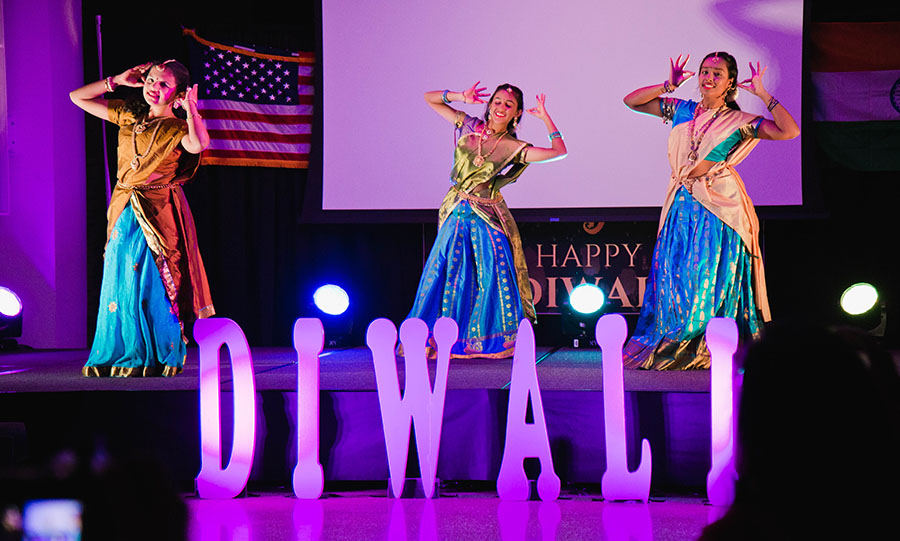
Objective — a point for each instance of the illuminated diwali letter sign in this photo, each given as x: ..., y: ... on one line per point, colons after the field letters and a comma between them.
x: 309, y: 337
x: 524, y: 440
x: 213, y: 481
x: 722, y: 340
x: 419, y: 405
x: 617, y: 482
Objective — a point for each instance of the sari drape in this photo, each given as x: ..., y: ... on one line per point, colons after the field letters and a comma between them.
x: 476, y: 272
x: 707, y: 261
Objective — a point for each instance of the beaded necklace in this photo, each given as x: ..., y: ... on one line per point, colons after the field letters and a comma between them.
x: 697, y: 137
x: 479, y: 159
x: 140, y: 128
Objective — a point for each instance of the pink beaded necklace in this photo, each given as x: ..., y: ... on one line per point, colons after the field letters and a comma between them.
x: 697, y: 137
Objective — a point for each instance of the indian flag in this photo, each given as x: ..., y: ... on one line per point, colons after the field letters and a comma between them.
x: 855, y: 73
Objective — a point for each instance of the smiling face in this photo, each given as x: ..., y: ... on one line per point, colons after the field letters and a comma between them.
x: 503, y: 108
x: 714, y: 77
x: 159, y: 87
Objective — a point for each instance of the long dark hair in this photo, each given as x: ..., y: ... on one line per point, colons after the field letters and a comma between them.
x: 515, y: 91
x: 731, y: 95
x: 139, y: 107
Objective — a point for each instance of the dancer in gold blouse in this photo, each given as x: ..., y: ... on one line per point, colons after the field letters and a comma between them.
x: 476, y: 271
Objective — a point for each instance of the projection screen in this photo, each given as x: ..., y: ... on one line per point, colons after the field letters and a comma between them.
x: 385, y: 149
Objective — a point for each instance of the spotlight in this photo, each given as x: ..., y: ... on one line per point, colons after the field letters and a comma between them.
x: 333, y: 302
x: 580, y: 313
x: 10, y: 317
x: 587, y: 299
x: 859, y: 298
x: 859, y: 301
x: 331, y: 299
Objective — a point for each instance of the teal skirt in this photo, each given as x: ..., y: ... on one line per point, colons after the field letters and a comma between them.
x: 470, y: 277
x: 137, y: 333
x: 701, y: 269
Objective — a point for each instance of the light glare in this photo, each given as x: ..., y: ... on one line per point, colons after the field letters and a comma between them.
x: 10, y: 305
x: 331, y: 299
x: 587, y: 299
x: 859, y: 298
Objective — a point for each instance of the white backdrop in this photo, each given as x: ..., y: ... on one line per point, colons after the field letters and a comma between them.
x: 385, y: 149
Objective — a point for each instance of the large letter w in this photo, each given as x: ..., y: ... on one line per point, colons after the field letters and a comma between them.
x: 419, y: 405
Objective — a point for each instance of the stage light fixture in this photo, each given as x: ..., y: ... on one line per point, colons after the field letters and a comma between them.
x: 587, y: 299
x: 333, y: 303
x: 859, y: 298
x: 10, y: 317
x: 579, y: 314
x: 859, y: 301
x: 331, y: 299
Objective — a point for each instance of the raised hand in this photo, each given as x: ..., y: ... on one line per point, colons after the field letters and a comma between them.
x: 133, y: 77
x: 540, y: 111
x: 475, y: 94
x: 677, y: 74
x: 754, y: 84
x: 189, y: 98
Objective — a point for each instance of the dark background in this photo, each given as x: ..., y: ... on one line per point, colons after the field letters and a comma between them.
x: 265, y: 255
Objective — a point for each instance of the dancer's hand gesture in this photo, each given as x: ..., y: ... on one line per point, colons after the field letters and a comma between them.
x: 189, y: 98
x: 677, y: 74
x: 475, y: 94
x: 133, y: 77
x: 540, y: 111
x: 754, y: 84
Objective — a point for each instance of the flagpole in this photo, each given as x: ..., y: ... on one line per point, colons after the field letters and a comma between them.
x: 103, y: 126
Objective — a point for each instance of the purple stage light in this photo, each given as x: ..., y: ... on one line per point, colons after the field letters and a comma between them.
x: 10, y: 304
x: 10, y: 317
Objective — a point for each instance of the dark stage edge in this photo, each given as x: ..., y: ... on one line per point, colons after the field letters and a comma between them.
x: 565, y: 369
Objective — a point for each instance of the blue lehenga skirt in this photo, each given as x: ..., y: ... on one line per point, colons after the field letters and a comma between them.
x: 470, y: 277
x: 138, y: 333
x: 701, y: 269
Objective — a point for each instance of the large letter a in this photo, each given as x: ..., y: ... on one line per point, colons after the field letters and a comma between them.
x: 525, y: 440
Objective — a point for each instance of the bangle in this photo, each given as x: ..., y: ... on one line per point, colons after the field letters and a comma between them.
x: 197, y: 115
x: 772, y: 103
x: 668, y: 87
x: 110, y: 84
x: 554, y: 135
x: 444, y: 97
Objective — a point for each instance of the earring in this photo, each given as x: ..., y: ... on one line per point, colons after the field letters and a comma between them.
x: 515, y: 122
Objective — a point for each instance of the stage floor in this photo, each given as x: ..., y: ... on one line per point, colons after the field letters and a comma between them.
x: 559, y: 369
x: 44, y: 394
x: 364, y: 515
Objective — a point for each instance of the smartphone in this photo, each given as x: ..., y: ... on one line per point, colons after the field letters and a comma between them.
x: 59, y: 520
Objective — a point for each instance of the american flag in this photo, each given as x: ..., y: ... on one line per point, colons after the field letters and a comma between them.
x: 257, y: 107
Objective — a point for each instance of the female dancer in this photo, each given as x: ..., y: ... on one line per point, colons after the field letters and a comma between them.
x: 707, y: 261
x: 476, y: 271
x: 154, y: 284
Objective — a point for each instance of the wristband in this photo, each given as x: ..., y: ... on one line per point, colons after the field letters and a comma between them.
x: 444, y: 97
x: 110, y: 84
x: 554, y: 135
x: 772, y: 103
x: 668, y: 87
